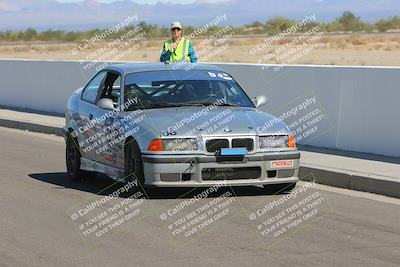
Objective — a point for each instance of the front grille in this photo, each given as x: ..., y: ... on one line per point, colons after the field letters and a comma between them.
x: 231, y: 173
x: 214, y: 145
x: 248, y: 143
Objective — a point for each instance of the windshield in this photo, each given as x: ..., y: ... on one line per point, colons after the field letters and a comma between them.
x: 156, y: 89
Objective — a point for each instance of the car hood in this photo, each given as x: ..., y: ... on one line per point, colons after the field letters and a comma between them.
x: 185, y: 121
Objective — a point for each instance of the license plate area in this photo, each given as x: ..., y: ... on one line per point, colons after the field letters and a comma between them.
x: 237, y: 151
x: 231, y: 154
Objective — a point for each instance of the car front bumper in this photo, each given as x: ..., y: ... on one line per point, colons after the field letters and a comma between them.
x: 201, y: 170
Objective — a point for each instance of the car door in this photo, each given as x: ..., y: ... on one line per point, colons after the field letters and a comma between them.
x: 107, y: 129
x: 87, y: 110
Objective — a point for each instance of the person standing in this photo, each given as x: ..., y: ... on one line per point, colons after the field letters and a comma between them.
x: 178, y: 47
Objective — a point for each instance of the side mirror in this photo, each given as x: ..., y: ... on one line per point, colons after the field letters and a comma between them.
x: 260, y: 100
x: 106, y: 103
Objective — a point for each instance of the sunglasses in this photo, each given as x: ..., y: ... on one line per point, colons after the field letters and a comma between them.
x: 175, y: 29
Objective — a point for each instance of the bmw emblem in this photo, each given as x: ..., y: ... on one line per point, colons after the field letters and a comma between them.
x: 227, y: 130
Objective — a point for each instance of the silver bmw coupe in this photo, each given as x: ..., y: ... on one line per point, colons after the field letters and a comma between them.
x: 163, y: 125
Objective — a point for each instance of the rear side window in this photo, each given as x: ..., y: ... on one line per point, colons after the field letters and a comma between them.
x: 92, y: 89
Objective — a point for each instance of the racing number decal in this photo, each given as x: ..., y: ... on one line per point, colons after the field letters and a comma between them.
x: 220, y: 75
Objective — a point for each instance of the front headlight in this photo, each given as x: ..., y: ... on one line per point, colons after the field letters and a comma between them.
x: 180, y: 144
x: 173, y: 144
x: 276, y: 141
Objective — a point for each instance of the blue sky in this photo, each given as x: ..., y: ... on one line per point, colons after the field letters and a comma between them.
x: 44, y: 15
x: 140, y: 1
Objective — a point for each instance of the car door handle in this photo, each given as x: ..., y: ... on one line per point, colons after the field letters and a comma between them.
x: 90, y: 116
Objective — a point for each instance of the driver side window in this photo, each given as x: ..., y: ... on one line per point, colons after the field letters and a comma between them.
x: 111, y: 88
x: 92, y: 89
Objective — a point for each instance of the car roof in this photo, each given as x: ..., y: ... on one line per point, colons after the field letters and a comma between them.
x: 140, y: 67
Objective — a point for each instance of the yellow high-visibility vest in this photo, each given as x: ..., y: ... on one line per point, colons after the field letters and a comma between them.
x: 181, y: 52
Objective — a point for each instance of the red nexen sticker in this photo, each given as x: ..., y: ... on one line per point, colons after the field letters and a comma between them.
x: 281, y: 164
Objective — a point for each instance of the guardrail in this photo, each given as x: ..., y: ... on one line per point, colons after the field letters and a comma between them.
x: 359, y: 105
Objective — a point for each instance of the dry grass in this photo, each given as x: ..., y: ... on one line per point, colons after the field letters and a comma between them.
x: 356, y: 49
x: 357, y: 40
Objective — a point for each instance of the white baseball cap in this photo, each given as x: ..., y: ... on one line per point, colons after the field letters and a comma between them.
x: 176, y: 24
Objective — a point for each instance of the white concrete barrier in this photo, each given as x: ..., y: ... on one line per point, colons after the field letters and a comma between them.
x: 359, y: 104
x: 40, y: 85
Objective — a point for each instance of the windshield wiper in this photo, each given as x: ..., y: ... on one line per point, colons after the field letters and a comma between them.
x: 219, y: 104
x: 228, y: 105
x: 162, y: 105
x: 191, y: 104
x: 204, y: 104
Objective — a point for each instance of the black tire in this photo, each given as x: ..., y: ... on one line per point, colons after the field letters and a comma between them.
x: 133, y: 163
x: 73, y: 161
x: 279, y: 188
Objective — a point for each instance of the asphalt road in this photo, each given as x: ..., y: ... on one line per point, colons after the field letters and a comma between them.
x: 36, y: 229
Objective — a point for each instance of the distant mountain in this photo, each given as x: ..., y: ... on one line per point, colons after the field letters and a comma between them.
x: 50, y: 14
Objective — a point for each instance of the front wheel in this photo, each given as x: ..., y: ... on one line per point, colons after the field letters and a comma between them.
x: 73, y: 161
x: 133, y: 163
